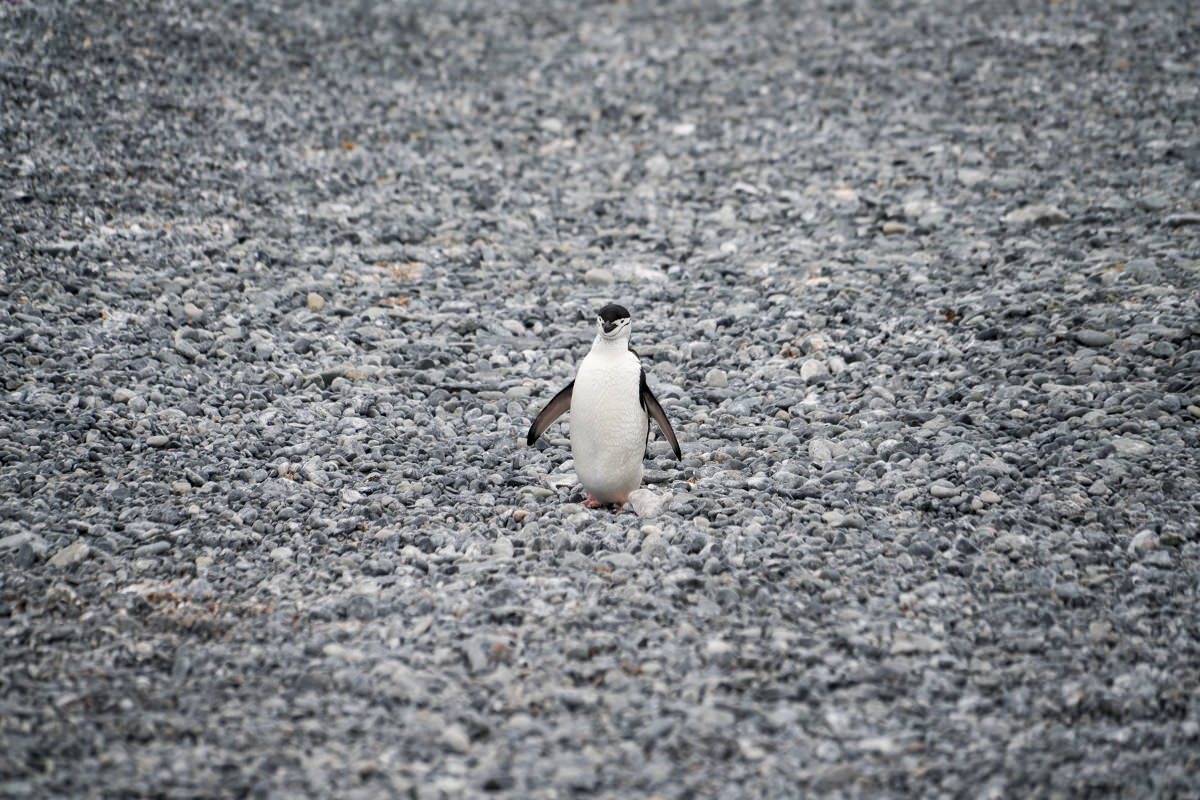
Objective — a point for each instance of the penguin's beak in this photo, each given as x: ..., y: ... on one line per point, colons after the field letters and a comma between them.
x: 609, y: 327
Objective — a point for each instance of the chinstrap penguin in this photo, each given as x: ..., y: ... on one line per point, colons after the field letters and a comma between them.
x: 611, y: 405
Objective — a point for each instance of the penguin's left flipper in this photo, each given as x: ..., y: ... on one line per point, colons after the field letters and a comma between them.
x: 650, y: 403
x: 558, y: 405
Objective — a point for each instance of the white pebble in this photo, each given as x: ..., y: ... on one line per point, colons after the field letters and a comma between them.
x: 1143, y: 540
x: 813, y: 368
x: 502, y: 547
x: 646, y: 503
x: 717, y: 378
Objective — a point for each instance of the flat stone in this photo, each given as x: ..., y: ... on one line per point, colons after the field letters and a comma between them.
x: 620, y: 560
x: 837, y: 519
x: 943, y: 489
x: 1179, y: 220
x: 1128, y: 446
x: 1091, y: 338
x: 907, y: 644
x: 1036, y: 214
x: 71, y: 554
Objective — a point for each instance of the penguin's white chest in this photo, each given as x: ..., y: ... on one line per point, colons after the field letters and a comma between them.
x: 608, y: 425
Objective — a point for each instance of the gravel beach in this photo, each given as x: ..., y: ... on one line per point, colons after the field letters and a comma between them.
x: 283, y: 285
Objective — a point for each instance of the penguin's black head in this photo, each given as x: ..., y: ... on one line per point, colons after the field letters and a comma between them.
x: 612, y: 318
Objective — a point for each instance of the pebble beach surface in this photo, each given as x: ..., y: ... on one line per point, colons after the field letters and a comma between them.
x: 282, y: 288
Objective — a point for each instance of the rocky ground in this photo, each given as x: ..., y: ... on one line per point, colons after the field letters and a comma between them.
x: 282, y: 287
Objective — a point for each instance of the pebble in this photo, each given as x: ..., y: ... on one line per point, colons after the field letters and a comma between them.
x: 1011, y: 541
x: 152, y: 549
x: 621, y: 560
x: 1143, y: 541
x: 1179, y: 220
x: 893, y: 228
x: 989, y: 497
x: 971, y: 177
x: 845, y: 195
x: 502, y: 547
x: 1091, y: 338
x: 813, y: 369
x: 122, y: 395
x: 158, y: 440
x: 314, y: 302
x: 822, y: 450
x: 838, y: 519
x: 943, y: 489
x: 71, y: 554
x: 716, y: 378
x: 906, y: 644
x: 1037, y: 214
x: 186, y: 349
x: 455, y: 737
x: 24, y: 539
x: 599, y: 276
x: 1128, y: 446
x: 647, y: 503
x: 192, y: 311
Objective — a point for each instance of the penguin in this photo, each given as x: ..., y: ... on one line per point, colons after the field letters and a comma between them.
x: 611, y: 405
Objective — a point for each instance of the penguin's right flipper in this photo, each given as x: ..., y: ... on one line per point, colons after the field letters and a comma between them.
x: 558, y: 405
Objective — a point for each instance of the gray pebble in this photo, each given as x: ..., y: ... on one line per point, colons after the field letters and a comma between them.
x: 71, y: 554
x: 598, y: 276
x: 1091, y: 338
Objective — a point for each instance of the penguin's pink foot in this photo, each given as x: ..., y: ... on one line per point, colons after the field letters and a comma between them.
x: 591, y: 502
